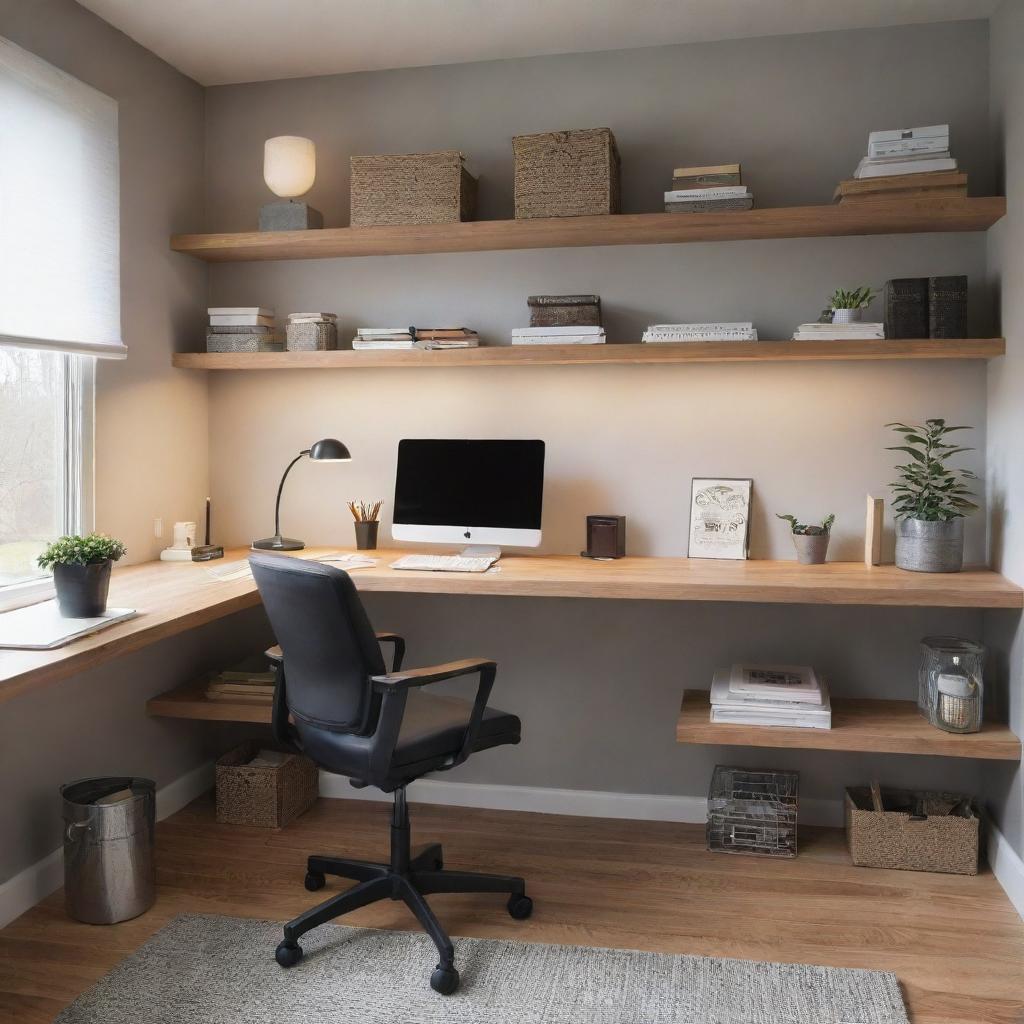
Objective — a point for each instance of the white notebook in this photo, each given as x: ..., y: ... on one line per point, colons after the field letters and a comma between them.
x: 41, y: 627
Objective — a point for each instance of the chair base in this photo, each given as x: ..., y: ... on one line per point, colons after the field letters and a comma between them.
x: 406, y: 878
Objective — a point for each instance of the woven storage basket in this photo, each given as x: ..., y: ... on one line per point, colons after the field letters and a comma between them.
x: 893, y: 839
x: 318, y: 337
x: 411, y: 188
x: 269, y: 797
x: 566, y: 174
x: 565, y: 310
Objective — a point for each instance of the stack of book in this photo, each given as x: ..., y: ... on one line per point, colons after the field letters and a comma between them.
x: 445, y: 337
x: 368, y: 338
x: 242, y: 683
x: 576, y: 335
x: 790, y: 696
x: 926, y: 307
x: 242, y: 329
x: 737, y: 331
x: 913, y: 162
x: 705, y: 189
x: 839, y: 332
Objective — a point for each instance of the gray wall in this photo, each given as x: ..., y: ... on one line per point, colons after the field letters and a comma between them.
x: 598, y: 683
x: 1005, y: 407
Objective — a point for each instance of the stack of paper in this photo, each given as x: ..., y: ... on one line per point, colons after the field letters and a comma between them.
x: 839, y: 332
x: 383, y: 338
x: 791, y: 696
x: 736, y: 331
x: 558, y: 336
x: 907, y: 151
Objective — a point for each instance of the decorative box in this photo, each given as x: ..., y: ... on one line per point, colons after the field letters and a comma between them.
x: 921, y: 831
x: 321, y: 336
x: 753, y: 811
x: 411, y: 188
x: 266, y: 795
x: 566, y: 174
x: 565, y: 310
x: 217, y: 341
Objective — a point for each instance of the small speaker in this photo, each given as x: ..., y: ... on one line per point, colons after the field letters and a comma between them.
x: 606, y: 537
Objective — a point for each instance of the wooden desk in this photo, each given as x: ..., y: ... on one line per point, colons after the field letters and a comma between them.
x: 173, y: 597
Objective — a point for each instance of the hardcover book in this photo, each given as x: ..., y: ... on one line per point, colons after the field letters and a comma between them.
x: 906, y: 307
x: 947, y: 307
x: 702, y: 177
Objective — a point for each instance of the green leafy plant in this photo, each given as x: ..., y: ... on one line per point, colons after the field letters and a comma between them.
x: 857, y: 298
x: 927, y: 488
x: 809, y: 531
x: 76, y: 550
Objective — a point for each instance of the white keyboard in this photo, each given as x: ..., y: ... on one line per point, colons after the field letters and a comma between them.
x: 444, y: 563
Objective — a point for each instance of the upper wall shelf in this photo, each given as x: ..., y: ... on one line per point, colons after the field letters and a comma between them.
x: 897, y: 216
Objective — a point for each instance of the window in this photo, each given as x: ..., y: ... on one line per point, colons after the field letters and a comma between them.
x: 60, y: 304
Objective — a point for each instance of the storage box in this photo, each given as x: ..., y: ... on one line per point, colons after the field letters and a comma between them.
x: 565, y: 310
x: 411, y: 188
x: 268, y: 796
x: 321, y: 336
x: 566, y: 174
x: 921, y: 835
x: 753, y: 811
x: 217, y: 341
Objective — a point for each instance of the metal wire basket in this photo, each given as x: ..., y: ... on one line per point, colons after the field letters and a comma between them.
x: 753, y: 812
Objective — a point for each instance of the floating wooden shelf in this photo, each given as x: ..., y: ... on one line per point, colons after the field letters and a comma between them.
x: 190, y: 701
x: 885, y: 217
x: 872, y: 726
x: 573, y: 355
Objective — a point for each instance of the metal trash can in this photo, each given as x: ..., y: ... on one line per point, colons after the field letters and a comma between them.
x: 109, y: 872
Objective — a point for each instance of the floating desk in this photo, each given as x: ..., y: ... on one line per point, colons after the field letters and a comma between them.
x: 175, y: 597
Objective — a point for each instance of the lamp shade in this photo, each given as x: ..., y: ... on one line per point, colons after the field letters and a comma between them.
x: 289, y: 165
x: 329, y: 450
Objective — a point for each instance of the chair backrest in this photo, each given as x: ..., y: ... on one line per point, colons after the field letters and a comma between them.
x: 330, y: 649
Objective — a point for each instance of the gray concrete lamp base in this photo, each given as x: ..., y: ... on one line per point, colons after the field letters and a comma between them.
x: 289, y: 215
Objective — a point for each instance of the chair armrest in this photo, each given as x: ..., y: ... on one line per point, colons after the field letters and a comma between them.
x: 275, y: 654
x: 395, y: 681
x: 398, y: 654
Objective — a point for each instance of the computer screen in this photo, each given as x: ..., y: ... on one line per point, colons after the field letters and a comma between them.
x: 485, y: 491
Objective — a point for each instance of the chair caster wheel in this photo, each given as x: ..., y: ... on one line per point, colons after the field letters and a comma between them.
x: 444, y: 980
x: 288, y: 953
x: 520, y: 906
x: 315, y: 881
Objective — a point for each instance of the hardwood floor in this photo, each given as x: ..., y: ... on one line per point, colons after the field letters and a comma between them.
x: 955, y: 943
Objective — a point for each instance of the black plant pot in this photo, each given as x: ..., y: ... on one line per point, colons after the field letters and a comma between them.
x: 82, y: 589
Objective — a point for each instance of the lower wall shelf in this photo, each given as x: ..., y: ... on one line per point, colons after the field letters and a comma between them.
x: 190, y: 701
x: 871, y: 726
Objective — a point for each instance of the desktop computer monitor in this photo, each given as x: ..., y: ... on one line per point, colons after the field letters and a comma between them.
x: 473, y: 492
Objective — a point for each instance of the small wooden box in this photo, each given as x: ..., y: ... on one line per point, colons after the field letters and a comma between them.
x: 938, y: 841
x: 411, y: 188
x: 566, y: 174
x: 266, y: 796
x: 606, y: 537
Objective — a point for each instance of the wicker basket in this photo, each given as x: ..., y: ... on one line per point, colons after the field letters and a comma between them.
x: 566, y: 174
x: 411, y: 188
x: 321, y: 336
x: 896, y: 839
x: 565, y: 310
x: 268, y: 797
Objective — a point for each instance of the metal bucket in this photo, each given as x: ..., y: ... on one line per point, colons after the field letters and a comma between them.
x: 109, y: 872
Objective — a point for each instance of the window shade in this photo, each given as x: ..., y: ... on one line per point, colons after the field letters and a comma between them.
x: 59, y: 224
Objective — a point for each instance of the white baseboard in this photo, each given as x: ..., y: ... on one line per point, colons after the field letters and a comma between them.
x: 585, y: 803
x: 1007, y: 866
x: 36, y: 882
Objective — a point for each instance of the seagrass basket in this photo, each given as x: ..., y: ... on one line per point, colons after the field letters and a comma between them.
x: 268, y: 796
x: 411, y: 188
x: 566, y: 174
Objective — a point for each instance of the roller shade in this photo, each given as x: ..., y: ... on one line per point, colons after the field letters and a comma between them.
x: 59, y: 220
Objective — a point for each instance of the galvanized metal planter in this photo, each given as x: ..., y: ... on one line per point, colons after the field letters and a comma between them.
x: 923, y: 546
x: 811, y: 548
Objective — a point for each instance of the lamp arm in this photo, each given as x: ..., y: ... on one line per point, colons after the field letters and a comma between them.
x: 280, y: 490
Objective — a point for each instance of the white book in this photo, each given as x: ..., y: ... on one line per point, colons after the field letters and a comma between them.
x: 689, y: 195
x: 656, y: 338
x: 241, y: 320
x: 379, y: 331
x: 239, y: 311
x: 792, y: 682
x: 737, y: 325
x: 838, y: 336
x: 365, y: 344
x: 723, y: 696
x: 930, y: 138
x: 724, y: 716
x: 884, y: 169
x: 311, y: 318
x: 543, y: 332
x: 560, y: 339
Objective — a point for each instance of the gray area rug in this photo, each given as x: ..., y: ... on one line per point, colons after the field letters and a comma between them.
x: 220, y: 970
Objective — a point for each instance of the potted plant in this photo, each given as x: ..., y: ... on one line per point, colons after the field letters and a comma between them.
x: 931, y: 499
x: 811, y: 542
x: 81, y: 572
x: 847, y: 306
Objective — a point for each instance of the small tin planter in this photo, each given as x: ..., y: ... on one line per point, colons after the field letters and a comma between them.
x: 811, y: 548
x: 925, y: 546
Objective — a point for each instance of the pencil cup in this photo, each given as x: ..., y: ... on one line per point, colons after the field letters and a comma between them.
x: 366, y: 535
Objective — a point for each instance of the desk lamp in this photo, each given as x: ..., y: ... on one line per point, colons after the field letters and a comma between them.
x: 327, y: 450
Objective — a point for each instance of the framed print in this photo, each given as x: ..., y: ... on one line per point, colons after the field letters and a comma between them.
x: 719, y: 517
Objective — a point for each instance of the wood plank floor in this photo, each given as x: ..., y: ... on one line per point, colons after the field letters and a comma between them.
x: 955, y: 943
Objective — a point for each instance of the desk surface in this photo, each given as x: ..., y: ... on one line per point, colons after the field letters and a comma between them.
x: 173, y: 597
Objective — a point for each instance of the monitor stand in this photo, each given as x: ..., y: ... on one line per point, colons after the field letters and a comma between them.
x: 481, y: 551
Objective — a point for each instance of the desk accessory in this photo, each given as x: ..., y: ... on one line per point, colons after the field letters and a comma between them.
x: 951, y: 683
x: 753, y: 812
x: 289, y: 169
x: 606, y: 537
x: 182, y: 542
x: 207, y: 552
x: 326, y: 450
x: 81, y: 572
x: 367, y: 520
x: 719, y: 517
x: 811, y: 542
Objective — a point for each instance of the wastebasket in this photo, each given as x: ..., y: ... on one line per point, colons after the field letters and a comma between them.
x: 109, y: 873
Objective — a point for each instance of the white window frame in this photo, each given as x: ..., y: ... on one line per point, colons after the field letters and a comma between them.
x: 76, y: 491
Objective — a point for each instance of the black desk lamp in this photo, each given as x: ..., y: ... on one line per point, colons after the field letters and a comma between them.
x: 327, y: 450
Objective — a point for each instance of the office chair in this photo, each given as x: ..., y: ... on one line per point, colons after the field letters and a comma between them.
x: 378, y: 728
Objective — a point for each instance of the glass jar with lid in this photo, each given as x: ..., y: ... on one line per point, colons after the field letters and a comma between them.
x: 950, y: 684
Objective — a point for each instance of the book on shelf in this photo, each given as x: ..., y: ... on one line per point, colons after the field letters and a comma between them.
x: 241, y: 320
x: 702, y: 177
x: 736, y: 331
x: 778, y: 682
x: 947, y: 307
x: 710, y: 205
x: 769, y: 709
x: 840, y: 332
x: 684, y: 195
x: 868, y: 168
x: 239, y: 311
x: 900, y: 142
x: 382, y: 338
x: 568, y: 335
x: 905, y: 301
x: 312, y: 318
x: 446, y: 337
x: 930, y: 185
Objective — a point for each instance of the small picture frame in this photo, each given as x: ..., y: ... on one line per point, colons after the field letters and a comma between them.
x: 719, y: 517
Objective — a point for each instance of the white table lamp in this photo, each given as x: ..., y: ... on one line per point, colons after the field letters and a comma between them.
x: 289, y: 169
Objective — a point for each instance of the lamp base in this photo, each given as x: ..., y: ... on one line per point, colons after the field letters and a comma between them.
x: 278, y: 543
x: 289, y: 215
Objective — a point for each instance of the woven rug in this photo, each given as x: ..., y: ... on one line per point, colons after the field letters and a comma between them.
x: 221, y: 970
